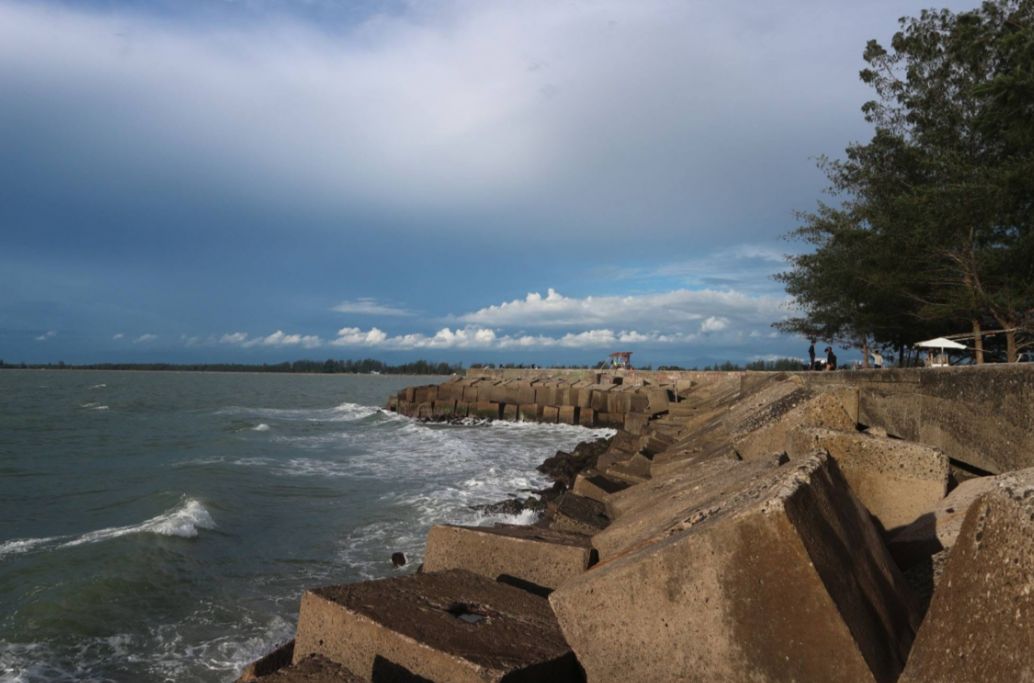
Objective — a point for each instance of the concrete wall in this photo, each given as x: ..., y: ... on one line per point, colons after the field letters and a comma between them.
x: 979, y: 415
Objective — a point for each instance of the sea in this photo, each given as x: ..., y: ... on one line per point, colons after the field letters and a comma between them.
x: 161, y: 526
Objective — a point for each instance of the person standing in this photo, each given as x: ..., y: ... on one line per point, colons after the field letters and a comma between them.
x: 811, y: 355
x: 877, y: 359
x: 831, y: 359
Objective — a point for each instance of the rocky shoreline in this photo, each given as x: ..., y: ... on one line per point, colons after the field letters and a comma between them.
x: 870, y: 526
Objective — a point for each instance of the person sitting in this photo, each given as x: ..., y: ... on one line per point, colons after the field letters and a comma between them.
x: 831, y: 359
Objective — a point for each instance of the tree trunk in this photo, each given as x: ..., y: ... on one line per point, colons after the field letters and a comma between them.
x: 1011, y: 353
x: 978, y: 342
x: 865, y: 353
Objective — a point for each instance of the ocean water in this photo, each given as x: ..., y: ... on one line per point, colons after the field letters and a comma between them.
x: 161, y: 526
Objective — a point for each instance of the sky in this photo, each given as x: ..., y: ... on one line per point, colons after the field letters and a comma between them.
x: 469, y: 181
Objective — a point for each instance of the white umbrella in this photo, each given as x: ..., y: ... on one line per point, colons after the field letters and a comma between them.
x: 940, y: 343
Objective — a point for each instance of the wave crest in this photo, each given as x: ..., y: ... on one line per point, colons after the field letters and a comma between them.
x: 183, y: 521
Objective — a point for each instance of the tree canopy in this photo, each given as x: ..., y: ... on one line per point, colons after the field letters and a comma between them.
x: 931, y: 228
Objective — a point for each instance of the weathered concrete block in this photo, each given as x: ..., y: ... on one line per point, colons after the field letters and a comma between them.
x: 598, y: 399
x: 444, y: 626
x: 896, y: 480
x: 444, y: 409
x: 510, y: 412
x: 782, y: 578
x: 545, y: 394
x: 581, y: 395
x: 425, y: 394
x: 615, y: 420
x: 470, y: 394
x: 980, y: 626
x: 586, y: 417
x: 766, y: 431
x: 619, y: 401
x: 462, y: 409
x: 450, y: 391
x: 564, y: 394
x: 597, y: 486
x: 525, y: 393
x: 487, y: 410
x: 939, y: 528
x: 568, y: 415
x: 635, y: 423
x: 550, y: 414
x: 639, y: 402
x: 577, y: 514
x: 493, y: 391
x: 529, y: 557
x: 529, y: 412
x: 425, y: 411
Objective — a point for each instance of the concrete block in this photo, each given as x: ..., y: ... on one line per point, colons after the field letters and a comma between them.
x: 425, y: 394
x: 898, y: 481
x: 528, y: 557
x: 564, y: 395
x: 444, y: 409
x: 450, y: 391
x: 635, y: 423
x: 765, y: 429
x: 597, y: 486
x: 568, y: 415
x: 586, y: 417
x: 444, y: 626
x: 639, y: 402
x: 939, y: 528
x: 615, y: 420
x: 577, y: 514
x: 425, y: 411
x: 487, y: 410
x: 581, y: 395
x: 529, y: 412
x: 980, y: 626
x: 545, y: 394
x: 619, y: 401
x: 510, y: 412
x: 598, y: 399
x: 408, y: 394
x: 494, y: 392
x: 525, y: 393
x: 782, y: 578
x: 550, y: 414
x: 462, y: 409
x: 470, y: 394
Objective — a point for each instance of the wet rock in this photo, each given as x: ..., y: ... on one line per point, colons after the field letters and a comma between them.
x: 511, y: 506
x: 564, y: 467
x: 272, y: 662
x: 398, y: 560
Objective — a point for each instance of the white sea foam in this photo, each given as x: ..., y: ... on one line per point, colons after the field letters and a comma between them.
x: 98, y: 386
x: 345, y: 412
x: 260, y: 427
x: 93, y: 406
x: 184, y: 521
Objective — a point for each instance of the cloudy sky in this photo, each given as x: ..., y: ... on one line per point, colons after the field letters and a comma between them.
x: 267, y: 180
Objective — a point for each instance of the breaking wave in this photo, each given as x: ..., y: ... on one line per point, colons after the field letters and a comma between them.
x: 183, y: 521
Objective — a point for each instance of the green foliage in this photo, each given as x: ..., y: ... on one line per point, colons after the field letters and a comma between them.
x: 933, y: 227
x: 364, y: 367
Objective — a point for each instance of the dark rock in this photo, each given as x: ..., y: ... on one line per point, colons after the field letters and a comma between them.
x: 511, y: 506
x: 398, y: 559
x: 564, y: 467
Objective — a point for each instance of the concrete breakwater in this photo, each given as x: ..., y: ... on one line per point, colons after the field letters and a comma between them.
x: 852, y: 526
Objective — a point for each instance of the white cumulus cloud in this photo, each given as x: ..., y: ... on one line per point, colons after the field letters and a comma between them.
x: 370, y: 306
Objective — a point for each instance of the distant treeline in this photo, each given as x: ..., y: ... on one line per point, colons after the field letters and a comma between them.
x: 329, y: 366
